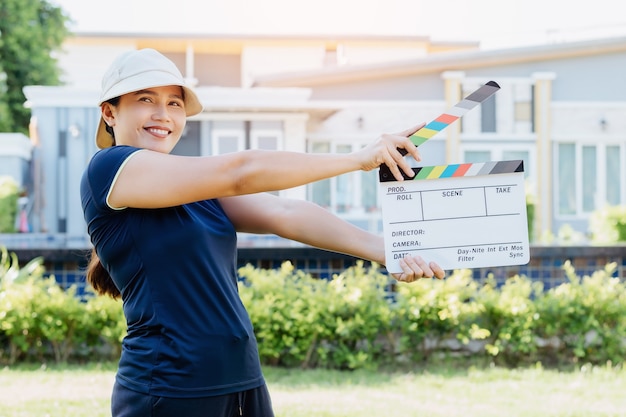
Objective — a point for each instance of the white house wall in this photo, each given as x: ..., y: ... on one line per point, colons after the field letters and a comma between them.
x: 208, y: 69
x: 82, y: 66
x: 587, y: 78
x: 66, y: 144
x: 404, y: 87
x: 584, y: 101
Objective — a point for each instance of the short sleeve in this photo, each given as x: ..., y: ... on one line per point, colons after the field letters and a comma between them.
x: 101, y: 174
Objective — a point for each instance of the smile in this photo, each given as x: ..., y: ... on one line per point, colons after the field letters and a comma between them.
x: 156, y: 131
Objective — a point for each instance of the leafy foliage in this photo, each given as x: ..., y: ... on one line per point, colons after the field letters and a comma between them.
x: 18, y: 304
x: 30, y: 32
x: 40, y: 319
x: 509, y: 313
x: 8, y: 204
x: 302, y: 321
x: 586, y: 317
x: 432, y: 314
x: 284, y: 306
x: 358, y: 319
x: 608, y: 225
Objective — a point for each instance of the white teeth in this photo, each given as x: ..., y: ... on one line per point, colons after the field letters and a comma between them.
x: 159, y: 131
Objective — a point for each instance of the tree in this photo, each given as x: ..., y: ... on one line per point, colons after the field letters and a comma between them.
x: 31, y: 31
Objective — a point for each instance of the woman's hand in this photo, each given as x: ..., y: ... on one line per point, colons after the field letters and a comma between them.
x: 414, y: 268
x: 385, y: 151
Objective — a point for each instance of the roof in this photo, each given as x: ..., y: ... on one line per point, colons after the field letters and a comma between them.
x: 234, y: 43
x: 445, y: 61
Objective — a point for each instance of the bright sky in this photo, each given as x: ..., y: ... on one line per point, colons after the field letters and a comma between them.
x: 495, y: 23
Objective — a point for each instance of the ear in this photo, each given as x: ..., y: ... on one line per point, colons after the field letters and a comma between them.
x: 108, y: 113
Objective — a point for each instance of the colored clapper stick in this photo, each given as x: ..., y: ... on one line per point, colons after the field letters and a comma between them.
x: 443, y: 121
x: 464, y: 170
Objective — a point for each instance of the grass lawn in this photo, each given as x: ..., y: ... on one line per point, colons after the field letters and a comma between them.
x: 73, y: 391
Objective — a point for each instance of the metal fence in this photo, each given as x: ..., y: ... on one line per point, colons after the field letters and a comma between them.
x: 68, y: 264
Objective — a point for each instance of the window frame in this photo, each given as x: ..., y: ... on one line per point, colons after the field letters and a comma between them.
x: 355, y: 180
x: 600, y: 199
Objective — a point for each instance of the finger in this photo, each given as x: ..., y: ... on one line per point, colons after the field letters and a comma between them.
x: 439, y: 273
x: 411, y: 131
x: 427, y: 271
x: 395, y: 160
x: 413, y: 151
x: 406, y: 167
x: 407, y: 273
x: 399, y: 162
x: 395, y: 171
x: 399, y: 277
x: 414, y: 267
x: 406, y: 146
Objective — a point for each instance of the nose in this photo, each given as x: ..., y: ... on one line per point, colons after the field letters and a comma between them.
x: 161, y: 112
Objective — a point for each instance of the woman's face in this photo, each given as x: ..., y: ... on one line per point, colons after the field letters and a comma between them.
x: 153, y: 118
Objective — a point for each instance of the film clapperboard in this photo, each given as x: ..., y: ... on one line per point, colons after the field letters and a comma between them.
x: 469, y: 215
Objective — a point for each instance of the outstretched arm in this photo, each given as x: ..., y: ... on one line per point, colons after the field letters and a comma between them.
x: 151, y: 179
x: 313, y: 225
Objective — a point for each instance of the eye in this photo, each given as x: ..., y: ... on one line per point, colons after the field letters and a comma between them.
x: 176, y: 103
x: 146, y: 99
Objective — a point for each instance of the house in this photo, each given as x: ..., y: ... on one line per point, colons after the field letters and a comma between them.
x: 560, y: 109
x: 237, y: 115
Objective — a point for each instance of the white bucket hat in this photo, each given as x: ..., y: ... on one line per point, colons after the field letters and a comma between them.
x: 138, y: 70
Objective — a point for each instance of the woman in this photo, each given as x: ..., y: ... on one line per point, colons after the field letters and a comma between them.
x: 164, y: 234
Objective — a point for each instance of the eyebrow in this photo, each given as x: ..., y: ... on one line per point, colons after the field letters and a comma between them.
x: 152, y: 93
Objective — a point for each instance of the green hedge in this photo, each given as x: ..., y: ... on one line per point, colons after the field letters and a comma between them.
x: 355, y: 320
x: 608, y: 225
x: 39, y: 320
x: 358, y: 319
x: 9, y: 193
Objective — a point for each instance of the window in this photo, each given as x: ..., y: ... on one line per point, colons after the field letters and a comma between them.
x: 233, y: 136
x: 369, y: 190
x: 228, y: 137
x: 589, y: 176
x: 189, y: 143
x: 613, y: 176
x: 227, y: 143
x: 266, y: 135
x: 522, y: 111
x: 343, y: 185
x: 477, y: 156
x: 355, y: 192
x: 567, y: 178
x: 523, y: 108
x: 267, y: 142
x: 319, y: 191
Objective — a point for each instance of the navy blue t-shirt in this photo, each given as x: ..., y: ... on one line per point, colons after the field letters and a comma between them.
x: 189, y: 334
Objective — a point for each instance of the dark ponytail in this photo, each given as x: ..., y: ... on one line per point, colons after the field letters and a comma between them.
x: 99, y: 278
